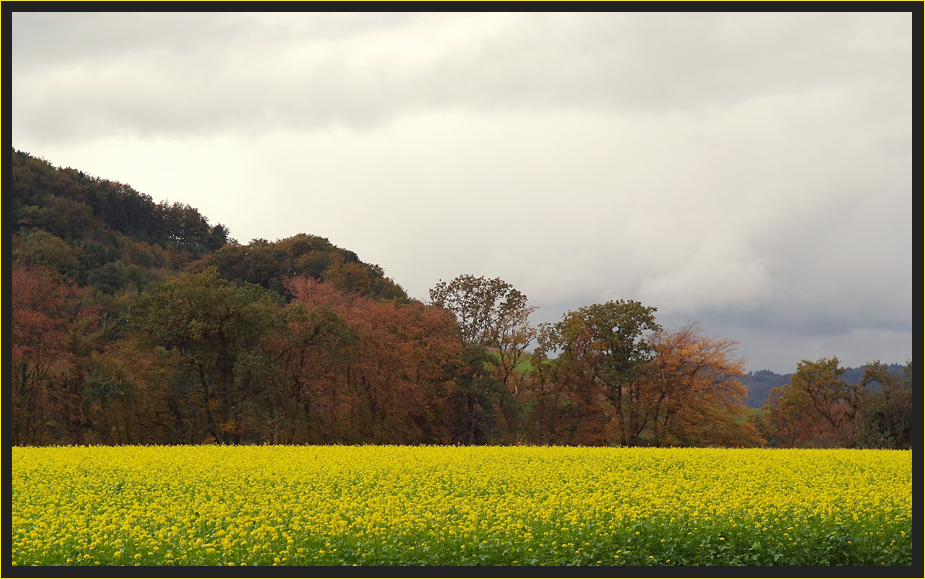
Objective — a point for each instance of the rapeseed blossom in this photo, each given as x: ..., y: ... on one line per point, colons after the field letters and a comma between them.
x: 375, y: 505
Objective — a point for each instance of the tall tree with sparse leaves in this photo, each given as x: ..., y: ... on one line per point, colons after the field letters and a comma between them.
x: 493, y: 313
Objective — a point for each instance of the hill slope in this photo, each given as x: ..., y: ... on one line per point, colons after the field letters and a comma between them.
x: 106, y: 235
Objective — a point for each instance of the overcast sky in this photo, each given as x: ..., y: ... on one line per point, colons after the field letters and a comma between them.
x: 752, y: 172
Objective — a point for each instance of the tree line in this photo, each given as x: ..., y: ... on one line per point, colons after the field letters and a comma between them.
x: 139, y: 323
x: 200, y: 359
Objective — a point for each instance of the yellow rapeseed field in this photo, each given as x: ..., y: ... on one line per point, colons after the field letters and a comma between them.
x: 375, y: 505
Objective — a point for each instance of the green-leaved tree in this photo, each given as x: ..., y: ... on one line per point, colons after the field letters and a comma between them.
x: 601, y: 347
x: 218, y: 330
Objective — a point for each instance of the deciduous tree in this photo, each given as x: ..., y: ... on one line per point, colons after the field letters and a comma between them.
x: 218, y: 329
x: 490, y: 312
x: 887, y: 417
x: 601, y: 348
x: 53, y: 328
x: 395, y: 389
x: 817, y: 407
x: 474, y: 403
x: 691, y: 391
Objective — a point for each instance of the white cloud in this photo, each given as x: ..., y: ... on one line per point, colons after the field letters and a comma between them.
x: 719, y: 273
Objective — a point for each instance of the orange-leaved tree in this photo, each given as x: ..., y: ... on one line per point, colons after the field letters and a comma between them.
x: 816, y: 408
x: 819, y: 408
x: 691, y: 391
x: 393, y: 386
x: 52, y: 328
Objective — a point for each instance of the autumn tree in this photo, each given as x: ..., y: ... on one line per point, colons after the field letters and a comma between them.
x: 493, y: 315
x: 400, y: 376
x: 816, y: 408
x: 490, y: 312
x: 788, y: 420
x: 690, y: 392
x: 53, y: 328
x: 566, y: 397
x: 78, y: 379
x: 127, y: 395
x: 317, y: 350
x: 887, y: 417
x: 36, y: 356
x: 394, y: 389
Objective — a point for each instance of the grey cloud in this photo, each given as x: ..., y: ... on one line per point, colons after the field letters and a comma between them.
x: 44, y: 42
x: 242, y: 72
x: 763, y: 350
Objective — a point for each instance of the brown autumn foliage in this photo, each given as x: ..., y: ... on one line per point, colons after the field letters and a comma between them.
x: 51, y: 337
x: 692, y: 394
x: 387, y: 384
x: 818, y: 408
x: 590, y: 394
x: 683, y: 389
x: 227, y: 363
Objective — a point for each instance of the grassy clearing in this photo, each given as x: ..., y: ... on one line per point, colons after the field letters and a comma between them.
x: 374, y: 505
x: 524, y: 364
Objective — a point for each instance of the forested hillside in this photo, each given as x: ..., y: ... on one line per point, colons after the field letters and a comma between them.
x: 135, y: 322
x: 110, y: 237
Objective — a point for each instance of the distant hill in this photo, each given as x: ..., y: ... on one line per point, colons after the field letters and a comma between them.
x: 761, y: 383
x: 106, y: 235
